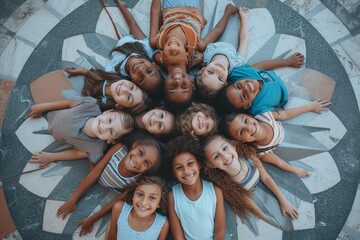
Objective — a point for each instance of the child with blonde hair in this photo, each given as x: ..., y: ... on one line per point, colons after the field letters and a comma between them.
x: 197, y: 120
x: 137, y: 216
x: 82, y: 125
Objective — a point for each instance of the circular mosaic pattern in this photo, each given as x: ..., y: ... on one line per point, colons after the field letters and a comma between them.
x: 325, y: 144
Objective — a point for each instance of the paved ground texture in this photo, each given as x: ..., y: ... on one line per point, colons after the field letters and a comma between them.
x: 38, y: 38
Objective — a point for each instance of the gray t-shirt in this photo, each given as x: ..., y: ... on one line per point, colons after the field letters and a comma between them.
x: 65, y: 126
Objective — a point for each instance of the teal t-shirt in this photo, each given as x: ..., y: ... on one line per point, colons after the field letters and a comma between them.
x: 273, y: 93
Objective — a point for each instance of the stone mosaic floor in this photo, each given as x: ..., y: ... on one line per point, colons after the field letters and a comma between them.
x: 38, y: 37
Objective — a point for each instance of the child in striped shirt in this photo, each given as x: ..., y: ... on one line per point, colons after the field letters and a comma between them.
x: 266, y: 133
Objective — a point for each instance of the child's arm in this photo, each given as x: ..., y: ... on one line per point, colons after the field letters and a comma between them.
x: 285, y: 206
x: 275, y: 160
x: 317, y: 106
x: 44, y: 158
x: 88, y: 181
x: 88, y: 223
x: 115, y: 213
x: 244, y: 36
x: 37, y: 110
x: 155, y: 16
x: 220, y: 219
x: 130, y: 21
x: 176, y: 228
x: 164, y: 230
x: 76, y: 72
x: 218, y: 29
x: 296, y: 60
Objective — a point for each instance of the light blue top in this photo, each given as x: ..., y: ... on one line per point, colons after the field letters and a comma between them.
x: 197, y: 217
x: 226, y: 49
x: 273, y: 93
x: 124, y: 231
x: 118, y: 57
x: 179, y: 3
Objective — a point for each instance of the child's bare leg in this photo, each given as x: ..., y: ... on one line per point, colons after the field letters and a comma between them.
x: 130, y: 20
x: 296, y: 60
x: 244, y: 36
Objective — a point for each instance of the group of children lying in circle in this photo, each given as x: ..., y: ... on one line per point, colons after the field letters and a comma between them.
x: 119, y: 99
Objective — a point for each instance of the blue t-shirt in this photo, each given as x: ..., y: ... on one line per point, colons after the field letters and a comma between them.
x: 273, y: 93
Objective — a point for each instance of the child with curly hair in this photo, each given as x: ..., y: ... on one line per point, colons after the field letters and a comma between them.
x: 196, y: 121
x: 237, y: 170
x: 137, y: 216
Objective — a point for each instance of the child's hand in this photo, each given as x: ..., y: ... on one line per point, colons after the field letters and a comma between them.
x: 243, y: 12
x: 66, y: 208
x: 86, y: 226
x: 302, y: 173
x: 230, y: 9
x: 319, y: 106
x: 35, y: 111
x: 75, y: 71
x: 44, y: 158
x: 289, y: 209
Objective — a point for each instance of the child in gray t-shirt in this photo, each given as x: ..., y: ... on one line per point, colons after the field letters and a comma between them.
x: 82, y: 125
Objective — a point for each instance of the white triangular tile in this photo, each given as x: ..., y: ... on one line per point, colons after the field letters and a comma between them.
x: 326, y: 120
x: 70, y: 53
x: 261, y: 28
x: 104, y: 25
x: 265, y: 230
x: 51, y: 222
x: 325, y: 175
x: 37, y: 184
x: 34, y: 142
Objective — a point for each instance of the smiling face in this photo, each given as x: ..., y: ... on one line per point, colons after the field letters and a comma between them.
x: 245, y: 128
x: 221, y: 154
x: 141, y: 158
x: 178, y: 86
x: 241, y: 94
x: 143, y: 73
x: 214, y: 75
x: 202, y: 124
x: 158, y: 121
x: 108, y: 126
x: 186, y: 168
x: 146, y: 199
x: 174, y: 51
x: 126, y: 94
